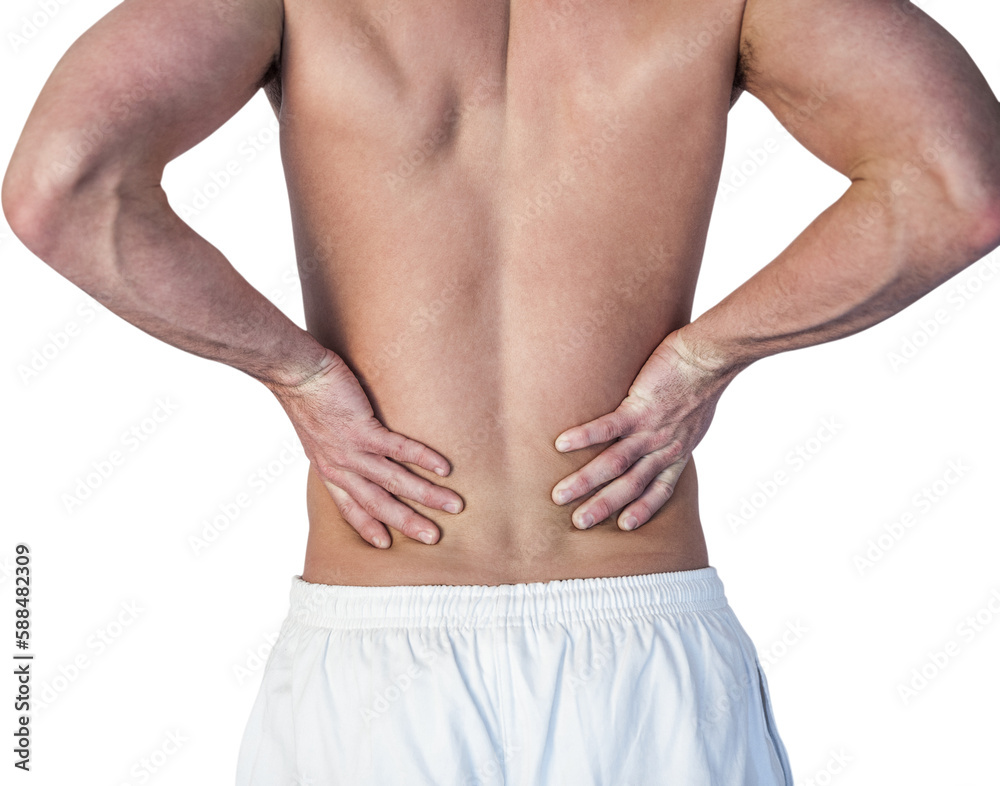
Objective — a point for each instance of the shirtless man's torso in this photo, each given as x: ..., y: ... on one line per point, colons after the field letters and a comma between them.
x: 499, y: 211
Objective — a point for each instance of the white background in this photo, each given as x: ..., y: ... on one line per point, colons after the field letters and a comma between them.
x: 837, y: 641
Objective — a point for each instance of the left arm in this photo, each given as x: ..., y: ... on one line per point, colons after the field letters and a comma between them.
x: 910, y: 220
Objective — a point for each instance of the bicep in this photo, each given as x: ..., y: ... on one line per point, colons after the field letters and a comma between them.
x: 870, y: 86
x: 149, y: 80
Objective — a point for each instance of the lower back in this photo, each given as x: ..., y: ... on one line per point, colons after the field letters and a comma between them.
x: 508, y: 533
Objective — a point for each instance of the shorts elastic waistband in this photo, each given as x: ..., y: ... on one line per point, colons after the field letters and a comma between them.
x: 478, y: 605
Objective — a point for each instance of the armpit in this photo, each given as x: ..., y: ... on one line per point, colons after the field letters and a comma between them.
x: 271, y: 82
x: 739, y: 78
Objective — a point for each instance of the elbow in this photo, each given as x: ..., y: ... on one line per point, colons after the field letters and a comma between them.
x: 34, y: 211
x: 982, y: 227
x: 58, y: 219
x: 973, y: 197
x: 21, y: 208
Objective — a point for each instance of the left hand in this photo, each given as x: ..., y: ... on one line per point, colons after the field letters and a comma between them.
x: 668, y: 410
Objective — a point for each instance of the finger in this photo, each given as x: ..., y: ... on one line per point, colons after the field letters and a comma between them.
x: 400, y: 481
x: 603, y: 429
x: 653, y: 498
x: 368, y: 528
x: 607, y: 465
x: 622, y: 491
x: 383, y: 507
x: 396, y: 446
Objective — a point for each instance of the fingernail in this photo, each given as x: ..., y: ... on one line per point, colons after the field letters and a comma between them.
x: 452, y: 507
x: 426, y: 537
x: 586, y: 520
x: 441, y: 471
x: 563, y: 496
x: 630, y: 523
x: 562, y: 443
x: 382, y: 541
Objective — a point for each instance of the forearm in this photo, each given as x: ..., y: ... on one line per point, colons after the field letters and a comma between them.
x: 131, y: 252
x: 865, y: 258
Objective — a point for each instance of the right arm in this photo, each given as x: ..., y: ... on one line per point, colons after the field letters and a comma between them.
x: 147, y: 82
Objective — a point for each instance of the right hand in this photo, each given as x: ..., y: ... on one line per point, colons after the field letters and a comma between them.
x: 351, y: 451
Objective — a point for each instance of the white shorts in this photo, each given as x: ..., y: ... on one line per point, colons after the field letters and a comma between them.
x: 631, y: 681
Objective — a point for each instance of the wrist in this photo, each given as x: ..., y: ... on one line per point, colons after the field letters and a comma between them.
x: 294, y: 373
x: 704, y: 355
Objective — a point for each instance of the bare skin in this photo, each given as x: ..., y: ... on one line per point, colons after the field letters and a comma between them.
x: 499, y: 214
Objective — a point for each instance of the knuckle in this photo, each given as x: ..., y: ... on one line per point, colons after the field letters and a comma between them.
x: 634, y: 485
x: 631, y: 412
x: 391, y: 484
x: 374, y: 507
x: 371, y: 440
x: 651, y: 444
x: 642, y: 511
x: 410, y: 525
x: 673, y: 450
x: 663, y: 487
x: 418, y: 492
x: 601, y: 432
x: 327, y: 469
x: 431, y: 496
x: 618, y: 463
x: 346, y: 505
x: 574, y: 484
x: 390, y: 444
x: 599, y: 509
x: 414, y: 450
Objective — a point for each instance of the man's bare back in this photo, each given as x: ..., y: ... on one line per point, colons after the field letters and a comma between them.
x: 498, y: 219
x: 499, y: 212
